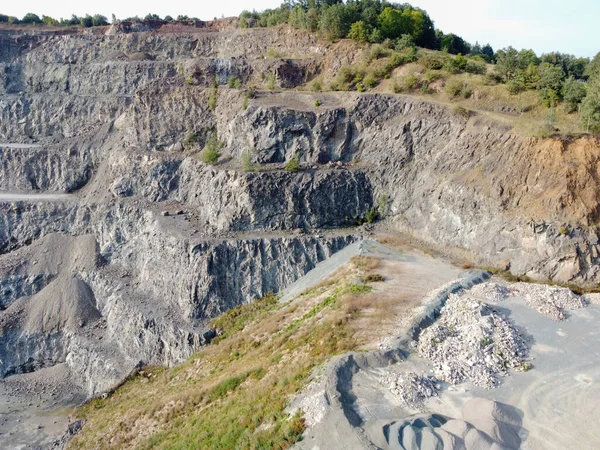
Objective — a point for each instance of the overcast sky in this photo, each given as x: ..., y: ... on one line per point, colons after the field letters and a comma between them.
x: 543, y: 25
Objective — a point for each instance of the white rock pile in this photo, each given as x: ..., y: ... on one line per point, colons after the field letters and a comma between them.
x: 411, y: 389
x: 472, y: 342
x: 551, y: 301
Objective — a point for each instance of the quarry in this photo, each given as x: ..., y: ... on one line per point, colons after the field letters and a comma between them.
x: 427, y: 270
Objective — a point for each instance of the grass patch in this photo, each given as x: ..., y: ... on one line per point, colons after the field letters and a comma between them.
x: 374, y: 278
x: 366, y: 263
x: 359, y: 288
x: 507, y: 275
x: 237, y: 318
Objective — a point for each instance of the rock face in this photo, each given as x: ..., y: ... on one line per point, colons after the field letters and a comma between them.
x: 151, y: 242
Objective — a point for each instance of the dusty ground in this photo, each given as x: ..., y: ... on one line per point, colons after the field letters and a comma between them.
x: 35, y: 408
x: 552, y: 406
x: 560, y: 396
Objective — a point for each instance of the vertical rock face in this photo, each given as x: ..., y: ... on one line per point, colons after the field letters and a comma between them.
x: 150, y: 242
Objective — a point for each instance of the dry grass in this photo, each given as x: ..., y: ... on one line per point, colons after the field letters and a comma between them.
x: 365, y: 263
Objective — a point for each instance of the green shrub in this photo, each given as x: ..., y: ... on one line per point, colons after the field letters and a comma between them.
x: 316, y: 86
x: 212, y: 96
x: 234, y: 82
x: 548, y: 97
x: 376, y: 36
x: 491, y: 79
x: 456, y: 64
x: 476, y: 67
x: 293, y: 165
x: 462, y: 112
x: 273, y: 54
x: 411, y: 82
x: 515, y: 86
x: 466, y: 91
x: 360, y: 87
x: 271, y: 81
x: 247, y: 164
x: 212, y: 150
x: 370, y: 81
x: 454, y: 87
x: 405, y: 41
x: 432, y: 76
x: 359, y: 32
x: 317, y: 103
x: 347, y: 74
x: 374, y: 278
x: 210, y: 156
x: 191, y: 138
x: 431, y: 61
x: 372, y: 215
x: 397, y: 60
x: 377, y: 51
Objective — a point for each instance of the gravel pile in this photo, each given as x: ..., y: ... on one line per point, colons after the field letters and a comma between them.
x: 551, y: 301
x: 412, y: 389
x: 472, y: 342
x: 491, y: 291
x: 594, y: 298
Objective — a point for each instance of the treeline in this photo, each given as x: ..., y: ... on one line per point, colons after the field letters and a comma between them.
x: 33, y: 19
x: 556, y: 76
x: 371, y: 21
x: 87, y: 20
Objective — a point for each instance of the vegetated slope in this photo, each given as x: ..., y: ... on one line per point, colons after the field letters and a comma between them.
x: 233, y: 393
x: 124, y: 121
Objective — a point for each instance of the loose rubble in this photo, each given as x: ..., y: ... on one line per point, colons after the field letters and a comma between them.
x: 411, y: 389
x: 472, y: 342
x: 551, y: 301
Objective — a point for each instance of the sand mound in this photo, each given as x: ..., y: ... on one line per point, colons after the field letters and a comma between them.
x: 485, y: 424
x: 65, y: 304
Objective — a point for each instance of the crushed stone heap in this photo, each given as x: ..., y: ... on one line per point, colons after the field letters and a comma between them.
x: 471, y: 341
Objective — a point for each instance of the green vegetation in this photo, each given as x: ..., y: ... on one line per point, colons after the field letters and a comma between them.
x: 273, y: 54
x: 234, y: 82
x: 364, y: 21
x: 237, y: 318
x: 271, y: 81
x: 247, y: 164
x: 590, y: 107
x: 293, y: 165
x: 33, y: 19
x: 317, y: 103
x: 374, y: 278
x: 213, y: 94
x: 212, y: 150
x: 192, y: 138
x: 519, y: 79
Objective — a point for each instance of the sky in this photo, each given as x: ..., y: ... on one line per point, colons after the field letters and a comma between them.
x: 542, y: 25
